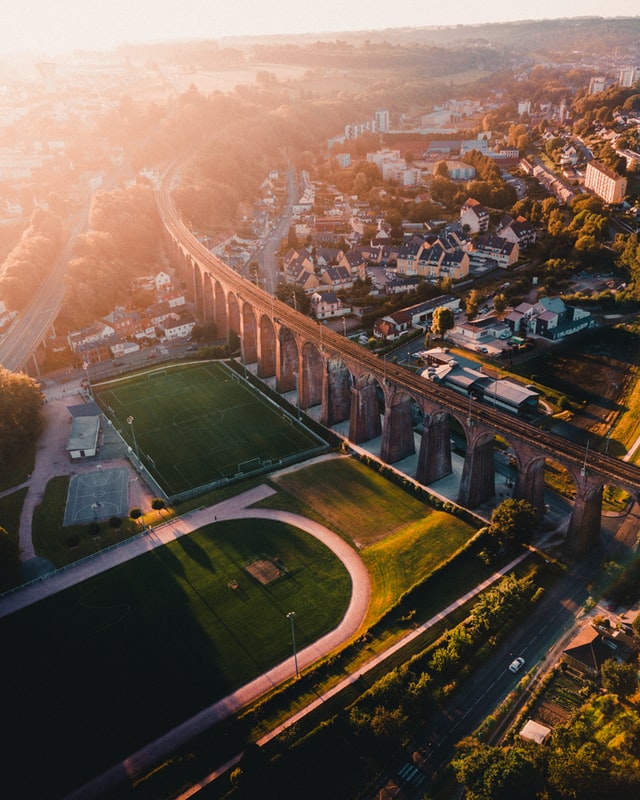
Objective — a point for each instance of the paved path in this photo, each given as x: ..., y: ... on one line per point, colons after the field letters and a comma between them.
x: 355, y: 677
x: 234, y: 508
x: 52, y: 460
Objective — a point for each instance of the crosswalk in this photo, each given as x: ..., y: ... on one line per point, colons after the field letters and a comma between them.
x: 410, y: 774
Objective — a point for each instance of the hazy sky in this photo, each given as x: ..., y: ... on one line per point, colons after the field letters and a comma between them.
x: 60, y: 26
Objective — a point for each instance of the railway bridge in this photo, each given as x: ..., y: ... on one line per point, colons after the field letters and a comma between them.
x: 382, y: 399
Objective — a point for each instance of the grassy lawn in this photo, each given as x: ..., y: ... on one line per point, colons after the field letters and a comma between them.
x: 401, y: 538
x: 138, y: 649
x: 10, y: 510
x: 195, y: 424
x: 63, y: 546
x: 20, y: 468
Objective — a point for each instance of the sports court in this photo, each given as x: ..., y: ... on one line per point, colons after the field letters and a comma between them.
x: 96, y: 496
x: 192, y: 425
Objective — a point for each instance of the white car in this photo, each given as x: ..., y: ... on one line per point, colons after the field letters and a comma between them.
x: 517, y: 664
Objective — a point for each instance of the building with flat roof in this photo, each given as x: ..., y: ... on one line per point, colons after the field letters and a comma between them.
x: 83, y: 439
x: 604, y: 182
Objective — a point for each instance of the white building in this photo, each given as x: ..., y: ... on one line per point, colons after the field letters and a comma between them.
x: 606, y: 183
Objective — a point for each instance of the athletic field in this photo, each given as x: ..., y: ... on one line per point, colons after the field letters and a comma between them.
x: 196, y: 424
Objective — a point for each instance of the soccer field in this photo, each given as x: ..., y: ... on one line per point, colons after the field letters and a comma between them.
x: 196, y: 424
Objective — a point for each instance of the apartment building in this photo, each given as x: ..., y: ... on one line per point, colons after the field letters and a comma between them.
x: 604, y: 182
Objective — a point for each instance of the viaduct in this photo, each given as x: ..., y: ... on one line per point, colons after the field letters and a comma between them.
x: 347, y: 381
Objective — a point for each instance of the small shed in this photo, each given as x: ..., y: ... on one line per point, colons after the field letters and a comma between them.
x: 534, y: 732
x: 83, y: 439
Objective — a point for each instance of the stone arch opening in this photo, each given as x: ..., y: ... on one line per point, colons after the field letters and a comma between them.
x: 311, y: 376
x: 267, y: 347
x: 220, y: 308
x: 365, y: 418
x: 287, y: 366
x: 233, y: 317
x: 208, y: 307
x: 336, y: 391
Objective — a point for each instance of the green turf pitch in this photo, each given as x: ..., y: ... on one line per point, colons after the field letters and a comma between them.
x: 198, y: 423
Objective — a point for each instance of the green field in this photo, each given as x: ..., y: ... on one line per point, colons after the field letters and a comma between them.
x: 97, y: 671
x: 193, y: 425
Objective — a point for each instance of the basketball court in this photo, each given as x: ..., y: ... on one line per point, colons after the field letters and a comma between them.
x: 98, y: 495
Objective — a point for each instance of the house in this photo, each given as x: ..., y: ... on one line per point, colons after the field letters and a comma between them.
x: 326, y: 305
x: 174, y: 298
x: 518, y: 230
x: 96, y: 333
x: 393, y: 326
x: 163, y: 281
x: 475, y: 330
x: 475, y: 216
x: 594, y: 645
x: 336, y: 278
x: 306, y: 280
x: 422, y: 313
x: 122, y: 347
x: 548, y: 317
x: 326, y: 256
x: 355, y: 261
x: 177, y: 328
x: 158, y: 313
x: 503, y: 251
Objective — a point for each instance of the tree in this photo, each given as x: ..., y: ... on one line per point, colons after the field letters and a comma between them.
x: 158, y: 504
x: 619, y: 679
x: 471, y: 304
x: 9, y: 560
x: 20, y: 418
x: 500, y: 303
x: 443, y: 321
x: 441, y: 170
x: 513, y: 521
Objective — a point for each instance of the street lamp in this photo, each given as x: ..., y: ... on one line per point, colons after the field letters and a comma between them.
x: 85, y: 367
x: 291, y: 616
x: 133, y: 434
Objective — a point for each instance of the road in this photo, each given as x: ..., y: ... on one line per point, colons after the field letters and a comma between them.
x: 266, y: 255
x: 539, y: 639
x: 31, y: 327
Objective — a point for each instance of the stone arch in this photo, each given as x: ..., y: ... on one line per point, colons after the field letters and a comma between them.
x: 248, y: 335
x: 220, y: 308
x: 434, y: 457
x: 337, y: 381
x: 207, y: 299
x: 364, y: 419
x: 477, y: 483
x: 267, y: 347
x: 311, y: 375
x: 287, y: 361
x: 233, y: 316
x: 198, y: 291
x: 397, y: 428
